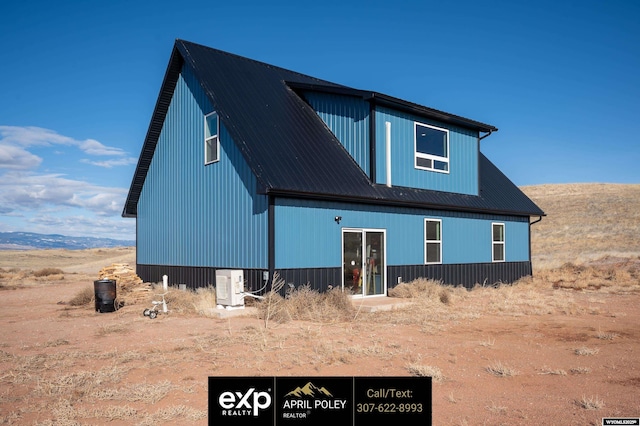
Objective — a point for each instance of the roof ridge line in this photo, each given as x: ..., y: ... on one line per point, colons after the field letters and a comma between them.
x: 262, y: 63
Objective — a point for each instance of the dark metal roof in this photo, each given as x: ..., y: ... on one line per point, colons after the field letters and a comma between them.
x: 498, y: 195
x: 289, y: 148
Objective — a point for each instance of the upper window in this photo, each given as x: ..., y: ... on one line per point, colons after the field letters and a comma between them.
x: 432, y: 148
x: 211, y: 145
x: 433, y: 241
x: 497, y: 244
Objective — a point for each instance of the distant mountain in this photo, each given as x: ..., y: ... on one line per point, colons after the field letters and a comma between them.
x: 33, y: 241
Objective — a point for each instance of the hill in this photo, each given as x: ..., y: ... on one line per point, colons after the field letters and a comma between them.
x: 31, y: 241
x: 584, y: 222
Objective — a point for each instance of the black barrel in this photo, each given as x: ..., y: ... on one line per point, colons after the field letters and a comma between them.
x: 105, y: 295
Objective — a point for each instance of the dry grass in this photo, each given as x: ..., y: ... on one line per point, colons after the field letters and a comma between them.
x: 420, y: 370
x: 553, y: 372
x: 496, y: 409
x: 591, y: 403
x: 436, y: 305
x: 137, y: 392
x: 580, y: 370
x: 488, y: 342
x: 606, y: 273
x: 45, y: 272
x: 59, y: 390
x: 424, y: 289
x: 17, y: 278
x: 585, y: 351
x: 56, y: 343
x: 567, y: 234
x: 116, y: 328
x: 88, y: 261
x: 606, y: 335
x: 83, y: 297
x: 306, y: 304
x: 499, y: 369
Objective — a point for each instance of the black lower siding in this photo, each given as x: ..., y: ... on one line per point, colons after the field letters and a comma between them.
x: 467, y: 274
x: 194, y: 276
x: 321, y: 279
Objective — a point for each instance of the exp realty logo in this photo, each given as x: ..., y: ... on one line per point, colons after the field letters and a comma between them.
x: 314, y: 401
x: 241, y: 400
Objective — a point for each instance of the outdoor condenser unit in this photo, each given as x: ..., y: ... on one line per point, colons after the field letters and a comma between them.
x: 230, y: 288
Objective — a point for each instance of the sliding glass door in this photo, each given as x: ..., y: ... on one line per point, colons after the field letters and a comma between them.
x: 364, y: 262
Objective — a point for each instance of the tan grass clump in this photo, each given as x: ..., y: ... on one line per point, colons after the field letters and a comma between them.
x: 606, y: 335
x: 424, y: 289
x: 307, y: 304
x: 420, y: 370
x: 580, y: 370
x: 433, y: 305
x: 592, y: 403
x: 45, y: 272
x: 553, y: 372
x: 608, y: 273
x: 138, y: 392
x: 584, y: 351
x: 499, y: 369
x: 179, y: 301
x: 205, y: 300
x: 83, y: 297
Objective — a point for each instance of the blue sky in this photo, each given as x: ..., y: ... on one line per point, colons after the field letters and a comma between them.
x: 79, y: 81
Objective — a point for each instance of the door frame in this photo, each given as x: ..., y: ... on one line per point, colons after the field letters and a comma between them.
x: 363, y: 232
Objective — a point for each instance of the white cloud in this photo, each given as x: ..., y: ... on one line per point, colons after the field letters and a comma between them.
x: 33, y: 136
x: 17, y: 158
x: 93, y: 147
x: 52, y: 202
x: 27, y: 190
x: 15, y: 141
x: 113, y: 162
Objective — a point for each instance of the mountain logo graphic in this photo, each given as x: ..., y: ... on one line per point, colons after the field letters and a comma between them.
x: 309, y: 390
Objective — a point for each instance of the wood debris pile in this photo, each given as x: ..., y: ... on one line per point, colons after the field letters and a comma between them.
x: 130, y: 289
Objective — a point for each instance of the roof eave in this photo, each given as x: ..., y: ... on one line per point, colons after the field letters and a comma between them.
x: 153, y: 133
x: 285, y: 193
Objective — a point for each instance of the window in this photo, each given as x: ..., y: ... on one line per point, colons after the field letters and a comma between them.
x: 433, y: 241
x: 497, y: 231
x: 211, y: 145
x: 432, y: 148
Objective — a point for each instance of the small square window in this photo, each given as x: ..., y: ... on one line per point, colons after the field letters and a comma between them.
x: 211, y: 145
x: 431, y: 148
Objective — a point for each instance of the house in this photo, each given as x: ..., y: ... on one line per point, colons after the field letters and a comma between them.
x: 250, y: 166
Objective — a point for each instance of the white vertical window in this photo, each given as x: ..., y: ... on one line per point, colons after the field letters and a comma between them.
x: 433, y: 241
x: 497, y: 244
x: 211, y: 145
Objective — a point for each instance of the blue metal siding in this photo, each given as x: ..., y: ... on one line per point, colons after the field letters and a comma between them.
x: 463, y: 155
x: 348, y: 119
x: 307, y: 236
x: 190, y: 214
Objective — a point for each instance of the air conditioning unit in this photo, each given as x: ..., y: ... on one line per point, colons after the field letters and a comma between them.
x: 230, y: 288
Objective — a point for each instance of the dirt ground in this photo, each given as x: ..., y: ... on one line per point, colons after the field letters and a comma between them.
x: 571, y: 363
